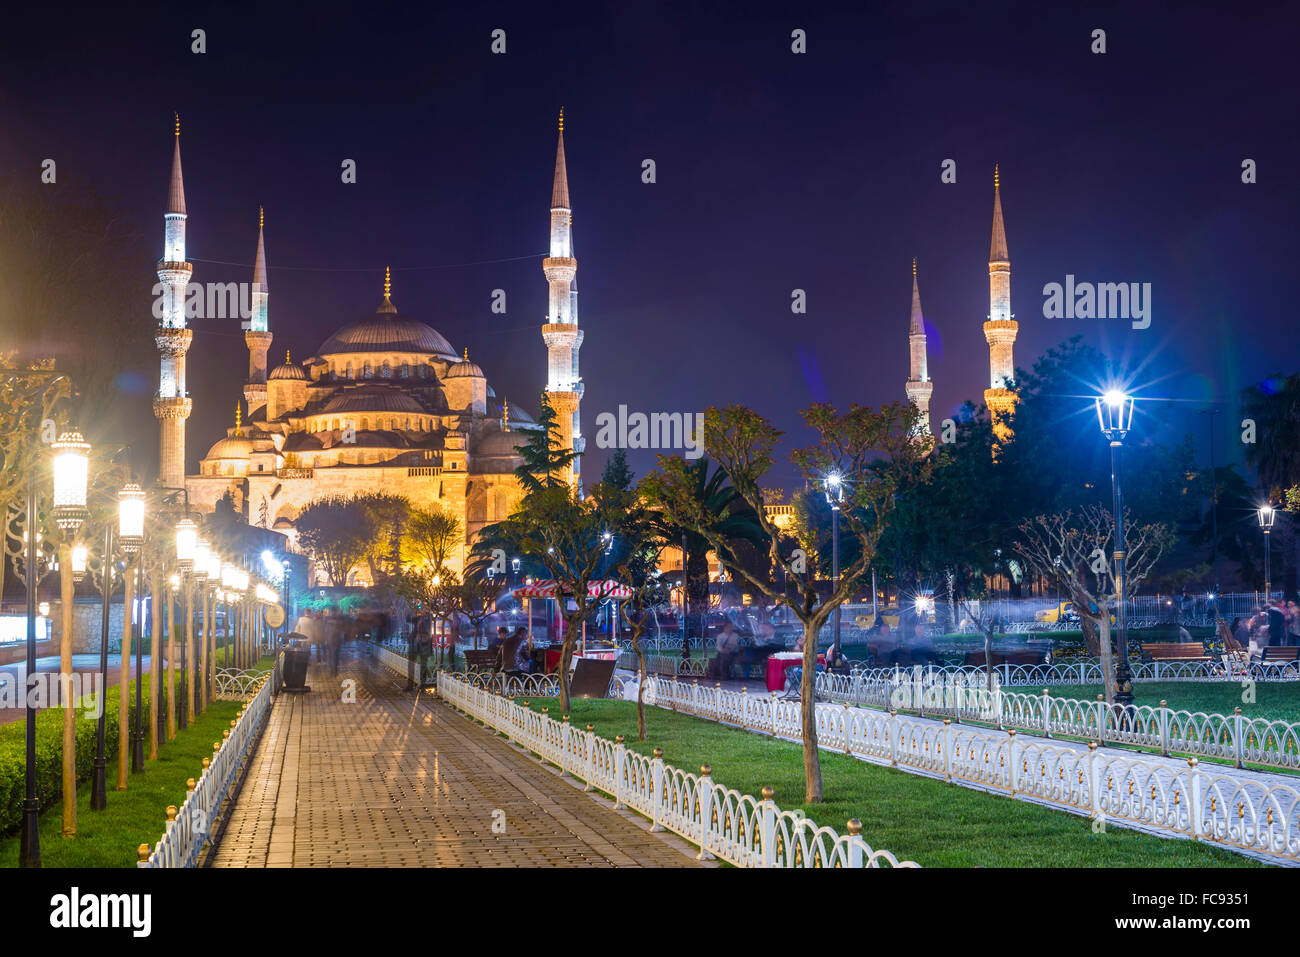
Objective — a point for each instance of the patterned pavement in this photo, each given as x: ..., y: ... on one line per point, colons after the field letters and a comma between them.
x: 388, y: 781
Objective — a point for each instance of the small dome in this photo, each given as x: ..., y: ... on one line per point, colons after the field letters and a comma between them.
x: 231, y: 447
x: 498, y: 444
x: 288, y: 370
x: 464, y: 368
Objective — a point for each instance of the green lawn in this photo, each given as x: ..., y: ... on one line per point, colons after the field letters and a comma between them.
x: 922, y: 819
x: 136, y: 816
x: 1275, y: 700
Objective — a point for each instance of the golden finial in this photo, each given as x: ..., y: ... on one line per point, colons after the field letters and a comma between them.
x: 261, y: 217
x: 388, y: 281
x: 177, y: 117
x: 505, y: 415
x: 995, y: 175
x: 286, y: 357
x: 561, y: 119
x: 467, y: 353
x: 913, y: 267
x: 239, y: 418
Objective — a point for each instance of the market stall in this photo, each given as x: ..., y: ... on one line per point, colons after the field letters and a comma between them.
x: 553, y: 589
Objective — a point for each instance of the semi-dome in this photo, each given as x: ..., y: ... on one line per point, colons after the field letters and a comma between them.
x: 498, y: 444
x: 386, y: 331
x: 372, y: 400
x: 231, y: 447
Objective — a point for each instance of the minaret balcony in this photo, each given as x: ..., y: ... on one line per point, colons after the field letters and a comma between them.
x: 559, y: 268
x: 173, y: 341
x: 172, y: 407
x: 1001, y: 331
x: 171, y: 269
x: 562, y: 334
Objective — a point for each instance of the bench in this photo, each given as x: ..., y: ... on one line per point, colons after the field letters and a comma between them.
x: 481, y: 660
x: 1174, y: 651
x: 1280, y: 653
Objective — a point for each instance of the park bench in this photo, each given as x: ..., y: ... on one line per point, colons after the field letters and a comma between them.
x: 1174, y: 651
x: 481, y: 660
x: 1280, y: 653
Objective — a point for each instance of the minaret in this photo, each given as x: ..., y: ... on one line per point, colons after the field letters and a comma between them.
x: 1000, y: 329
x: 561, y: 334
x: 258, y: 336
x: 172, y: 404
x: 919, y: 387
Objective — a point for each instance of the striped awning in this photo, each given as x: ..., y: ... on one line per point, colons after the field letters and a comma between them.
x: 550, y: 588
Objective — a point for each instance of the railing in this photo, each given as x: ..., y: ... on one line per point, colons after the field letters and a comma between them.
x: 190, y: 828
x: 1235, y: 737
x: 723, y: 823
x: 1088, y: 672
x: 293, y: 473
x: 1248, y: 814
x: 236, y: 683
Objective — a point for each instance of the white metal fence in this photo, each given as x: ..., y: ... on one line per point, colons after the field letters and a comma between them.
x: 236, y: 683
x: 1209, y: 804
x: 738, y: 828
x: 965, y: 696
x: 189, y: 828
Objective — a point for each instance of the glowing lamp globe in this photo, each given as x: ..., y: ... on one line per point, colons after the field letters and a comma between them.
x: 187, y: 540
x: 130, y: 517
x: 1266, y: 516
x: 1115, y: 413
x: 202, y: 551
x: 71, y: 470
x: 80, y: 558
x: 214, y: 566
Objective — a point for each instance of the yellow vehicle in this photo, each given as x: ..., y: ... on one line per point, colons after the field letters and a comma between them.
x: 889, y: 615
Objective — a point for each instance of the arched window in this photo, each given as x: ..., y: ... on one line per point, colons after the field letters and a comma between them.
x: 386, y: 371
x: 408, y: 429
x: 424, y: 372
x: 365, y: 424
x: 349, y: 372
x: 406, y: 370
x: 367, y: 372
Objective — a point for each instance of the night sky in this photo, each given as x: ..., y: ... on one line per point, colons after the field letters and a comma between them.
x: 775, y: 171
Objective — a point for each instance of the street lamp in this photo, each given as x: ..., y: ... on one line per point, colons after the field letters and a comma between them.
x: 834, y: 496
x: 130, y: 533
x: 1115, y: 417
x: 187, y: 542
x: 1266, y: 515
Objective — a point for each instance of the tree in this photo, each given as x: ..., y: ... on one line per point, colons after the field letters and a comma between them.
x: 431, y: 536
x: 544, y: 460
x: 387, y: 517
x: 1075, y: 550
x: 476, y: 599
x: 1274, y: 406
x: 872, y: 451
x: 338, y: 533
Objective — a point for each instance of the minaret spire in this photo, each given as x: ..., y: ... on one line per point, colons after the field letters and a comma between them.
x: 1000, y: 328
x: 172, y: 404
x: 386, y: 307
x: 561, y: 334
x: 258, y: 334
x: 919, y: 388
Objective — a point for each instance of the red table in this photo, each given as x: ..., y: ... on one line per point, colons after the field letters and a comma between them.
x: 777, y: 667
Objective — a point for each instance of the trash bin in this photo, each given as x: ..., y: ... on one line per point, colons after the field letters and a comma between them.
x: 297, y: 653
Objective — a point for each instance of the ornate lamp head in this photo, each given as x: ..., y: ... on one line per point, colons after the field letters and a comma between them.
x: 130, y: 518
x: 71, y: 469
x: 187, y: 540
x: 1115, y: 414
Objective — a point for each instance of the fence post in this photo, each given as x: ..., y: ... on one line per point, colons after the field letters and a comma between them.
x: 1011, y: 761
x: 855, y: 842
x: 657, y: 790
x: 717, y: 701
x: 767, y: 828
x: 1047, y: 714
x: 1164, y: 728
x: 771, y: 704
x: 997, y: 705
x: 591, y: 756
x: 705, y: 804
x: 695, y: 697
x: 1194, y: 798
x: 947, y: 749
x: 620, y: 765
x: 1094, y: 780
x: 1238, y: 741
x: 1101, y: 718
x: 565, y: 731
x: 1006, y: 672
x: 844, y: 718
x: 893, y: 738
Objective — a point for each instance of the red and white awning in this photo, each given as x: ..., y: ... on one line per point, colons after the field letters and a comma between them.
x: 550, y: 588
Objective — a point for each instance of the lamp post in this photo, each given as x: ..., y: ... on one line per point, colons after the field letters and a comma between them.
x: 835, y: 495
x: 1115, y: 416
x: 1266, y: 515
x: 214, y: 580
x: 71, y: 468
x: 130, y: 532
x: 200, y: 575
x: 288, y: 595
x: 187, y: 539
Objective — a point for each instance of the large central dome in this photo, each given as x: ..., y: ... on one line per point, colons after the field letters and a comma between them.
x: 386, y: 331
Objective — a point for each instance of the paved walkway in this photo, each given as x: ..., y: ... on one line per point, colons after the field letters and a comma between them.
x: 391, y: 781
